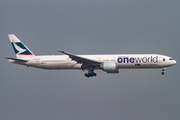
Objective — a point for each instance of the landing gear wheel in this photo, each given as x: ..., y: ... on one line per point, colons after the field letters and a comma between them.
x: 87, y: 75
x: 90, y: 74
x: 162, y: 73
x: 94, y: 74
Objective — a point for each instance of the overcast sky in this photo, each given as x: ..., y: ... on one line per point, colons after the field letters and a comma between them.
x: 90, y: 27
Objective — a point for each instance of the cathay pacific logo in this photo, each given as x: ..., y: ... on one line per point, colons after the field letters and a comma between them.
x: 20, y: 49
x: 127, y: 59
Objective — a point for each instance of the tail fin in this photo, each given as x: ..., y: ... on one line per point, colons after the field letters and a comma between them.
x: 19, y: 48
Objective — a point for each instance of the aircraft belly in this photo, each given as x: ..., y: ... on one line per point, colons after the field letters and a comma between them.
x: 72, y: 65
x: 52, y: 65
x: 77, y: 66
x: 125, y: 65
x: 138, y: 65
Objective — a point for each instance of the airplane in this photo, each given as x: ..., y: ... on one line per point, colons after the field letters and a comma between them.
x: 110, y: 63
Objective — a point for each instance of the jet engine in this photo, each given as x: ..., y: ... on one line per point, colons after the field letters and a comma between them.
x: 110, y: 67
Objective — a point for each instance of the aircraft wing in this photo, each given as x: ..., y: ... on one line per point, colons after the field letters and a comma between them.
x: 84, y: 61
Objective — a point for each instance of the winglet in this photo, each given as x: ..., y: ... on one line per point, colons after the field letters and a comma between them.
x: 61, y: 51
x: 64, y: 52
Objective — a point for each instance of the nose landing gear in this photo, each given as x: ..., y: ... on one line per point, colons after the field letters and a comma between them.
x: 162, y: 73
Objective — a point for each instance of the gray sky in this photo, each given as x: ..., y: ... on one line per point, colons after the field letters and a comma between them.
x: 90, y: 27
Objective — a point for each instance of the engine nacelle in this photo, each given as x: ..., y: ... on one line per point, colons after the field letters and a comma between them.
x: 110, y: 67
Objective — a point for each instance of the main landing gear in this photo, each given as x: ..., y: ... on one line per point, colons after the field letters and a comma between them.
x: 162, y: 73
x: 90, y: 74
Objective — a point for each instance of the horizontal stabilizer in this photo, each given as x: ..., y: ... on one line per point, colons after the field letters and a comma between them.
x: 16, y: 59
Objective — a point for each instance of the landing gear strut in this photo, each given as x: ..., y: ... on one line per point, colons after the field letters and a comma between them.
x: 162, y: 73
x: 90, y: 74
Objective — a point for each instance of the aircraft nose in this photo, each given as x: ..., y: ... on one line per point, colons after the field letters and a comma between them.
x: 173, y: 62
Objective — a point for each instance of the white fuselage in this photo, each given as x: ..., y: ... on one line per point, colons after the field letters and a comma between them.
x: 123, y: 61
x: 108, y: 63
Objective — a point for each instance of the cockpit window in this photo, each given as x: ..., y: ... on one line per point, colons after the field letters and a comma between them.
x: 170, y: 59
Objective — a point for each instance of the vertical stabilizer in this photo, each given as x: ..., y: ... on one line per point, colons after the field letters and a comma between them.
x: 19, y: 48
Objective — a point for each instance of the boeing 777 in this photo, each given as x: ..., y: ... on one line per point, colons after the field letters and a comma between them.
x: 108, y: 63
